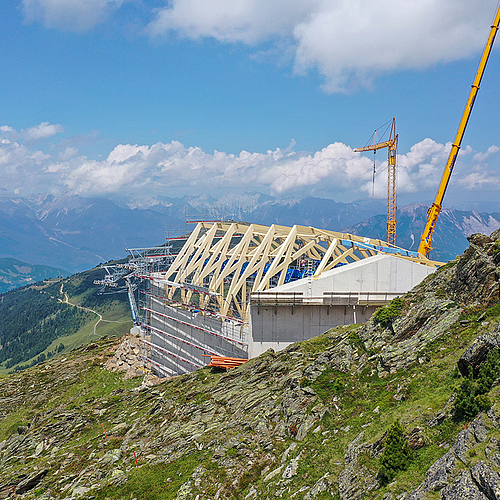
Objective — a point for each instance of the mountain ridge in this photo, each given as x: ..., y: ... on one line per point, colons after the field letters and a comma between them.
x: 309, y: 422
x: 77, y: 233
x: 15, y: 273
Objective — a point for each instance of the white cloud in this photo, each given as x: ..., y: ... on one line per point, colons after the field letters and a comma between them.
x: 350, y: 43
x: 42, y: 131
x: 22, y: 170
x: 247, y: 21
x: 480, y: 180
x: 68, y: 153
x: 68, y: 15
x: 173, y: 169
x: 39, y: 132
x: 482, y: 157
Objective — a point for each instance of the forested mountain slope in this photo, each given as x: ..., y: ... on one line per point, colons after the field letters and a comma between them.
x: 47, y: 317
x: 14, y: 273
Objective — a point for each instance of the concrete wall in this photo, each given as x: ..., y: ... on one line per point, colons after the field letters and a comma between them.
x: 381, y: 273
x: 278, y: 327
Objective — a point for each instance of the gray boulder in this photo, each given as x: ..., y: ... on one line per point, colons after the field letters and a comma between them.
x: 463, y: 488
x: 476, y: 353
x: 487, y: 480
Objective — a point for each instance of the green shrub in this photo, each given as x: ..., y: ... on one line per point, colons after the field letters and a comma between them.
x: 396, y: 456
x: 466, y: 405
x: 496, y: 248
x: 386, y: 315
x: 489, y: 372
x: 471, y: 396
x: 483, y: 402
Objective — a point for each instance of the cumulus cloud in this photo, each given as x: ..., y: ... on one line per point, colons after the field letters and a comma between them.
x: 69, y: 15
x: 350, y: 43
x: 42, y: 131
x: 39, y: 132
x: 482, y: 157
x: 23, y: 171
x: 247, y: 21
x: 173, y: 169
x: 173, y: 166
x: 480, y: 180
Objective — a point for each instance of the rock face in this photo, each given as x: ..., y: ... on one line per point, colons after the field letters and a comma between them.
x: 476, y: 353
x: 476, y: 276
x: 308, y: 422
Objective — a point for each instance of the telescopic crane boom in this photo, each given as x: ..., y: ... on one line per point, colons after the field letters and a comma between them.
x: 392, y: 145
x: 433, y: 212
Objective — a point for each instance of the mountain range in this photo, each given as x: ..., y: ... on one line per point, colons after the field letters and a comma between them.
x: 450, y: 237
x: 76, y: 233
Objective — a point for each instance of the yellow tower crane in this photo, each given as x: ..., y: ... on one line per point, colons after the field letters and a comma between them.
x: 392, y: 145
x: 433, y: 212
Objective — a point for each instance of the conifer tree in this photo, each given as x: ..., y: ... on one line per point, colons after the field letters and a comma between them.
x: 397, y: 455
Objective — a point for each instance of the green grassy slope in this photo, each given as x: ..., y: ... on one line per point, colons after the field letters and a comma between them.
x: 210, y: 432
x: 309, y: 422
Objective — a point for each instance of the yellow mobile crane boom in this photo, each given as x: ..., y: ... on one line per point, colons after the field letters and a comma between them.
x: 433, y: 212
x: 392, y: 145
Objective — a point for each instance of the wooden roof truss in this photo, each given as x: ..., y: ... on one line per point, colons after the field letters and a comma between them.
x: 221, y: 263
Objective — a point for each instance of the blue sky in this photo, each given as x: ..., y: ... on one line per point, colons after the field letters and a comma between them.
x: 126, y: 97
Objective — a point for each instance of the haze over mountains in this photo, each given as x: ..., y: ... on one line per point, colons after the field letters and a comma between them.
x: 77, y: 233
x: 14, y: 273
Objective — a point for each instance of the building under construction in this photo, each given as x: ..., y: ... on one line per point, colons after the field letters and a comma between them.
x: 235, y: 289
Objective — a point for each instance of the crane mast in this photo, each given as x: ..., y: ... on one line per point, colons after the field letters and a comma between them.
x: 392, y: 145
x: 434, y: 210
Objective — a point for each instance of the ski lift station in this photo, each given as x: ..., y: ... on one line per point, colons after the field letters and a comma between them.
x: 236, y: 289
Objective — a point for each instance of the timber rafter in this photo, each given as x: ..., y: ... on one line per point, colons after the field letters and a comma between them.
x: 234, y: 259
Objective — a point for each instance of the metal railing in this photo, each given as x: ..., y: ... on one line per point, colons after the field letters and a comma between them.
x: 269, y: 298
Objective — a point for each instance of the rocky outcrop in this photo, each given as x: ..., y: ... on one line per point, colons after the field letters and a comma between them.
x: 127, y: 358
x: 356, y: 480
x: 447, y: 474
x: 476, y: 274
x: 476, y: 353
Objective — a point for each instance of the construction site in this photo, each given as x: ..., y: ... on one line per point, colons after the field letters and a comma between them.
x: 230, y: 290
